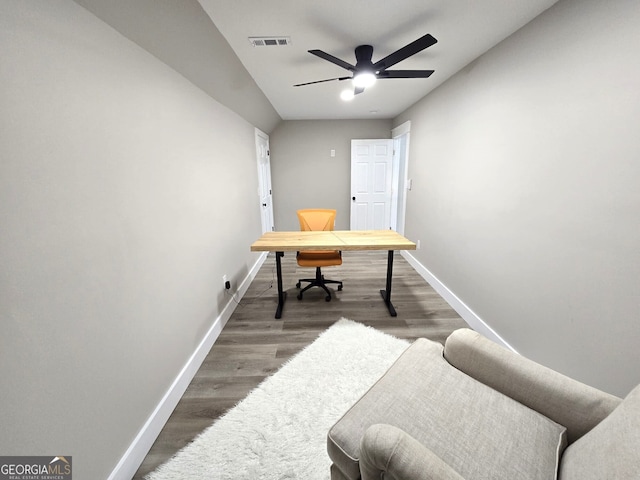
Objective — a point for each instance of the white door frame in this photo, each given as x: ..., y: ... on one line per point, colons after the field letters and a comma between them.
x: 265, y: 194
x: 401, y: 136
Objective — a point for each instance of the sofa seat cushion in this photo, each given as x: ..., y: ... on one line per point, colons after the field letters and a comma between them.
x: 478, y: 431
x: 611, y: 449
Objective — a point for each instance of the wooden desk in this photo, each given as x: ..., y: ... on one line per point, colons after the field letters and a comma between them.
x: 344, y: 240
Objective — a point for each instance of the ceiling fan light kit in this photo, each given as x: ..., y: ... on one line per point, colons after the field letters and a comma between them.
x: 364, y: 79
x: 347, y: 95
x: 365, y: 72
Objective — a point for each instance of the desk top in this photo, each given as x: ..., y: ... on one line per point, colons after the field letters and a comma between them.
x: 332, y: 240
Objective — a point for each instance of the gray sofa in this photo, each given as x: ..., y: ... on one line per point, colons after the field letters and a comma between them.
x: 475, y: 410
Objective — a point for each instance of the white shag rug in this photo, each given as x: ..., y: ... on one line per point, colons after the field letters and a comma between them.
x: 279, y: 431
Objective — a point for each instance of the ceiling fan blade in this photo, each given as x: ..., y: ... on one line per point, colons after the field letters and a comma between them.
x: 405, y: 74
x: 332, y: 59
x: 321, y: 81
x: 405, y: 52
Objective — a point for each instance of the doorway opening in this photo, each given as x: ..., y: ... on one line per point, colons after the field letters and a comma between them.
x: 400, y: 136
x: 264, y: 181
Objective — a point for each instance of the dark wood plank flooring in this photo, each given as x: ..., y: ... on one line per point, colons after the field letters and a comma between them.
x: 253, y: 344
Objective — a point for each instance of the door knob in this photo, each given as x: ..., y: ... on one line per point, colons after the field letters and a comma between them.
x: 353, y: 198
x: 264, y: 204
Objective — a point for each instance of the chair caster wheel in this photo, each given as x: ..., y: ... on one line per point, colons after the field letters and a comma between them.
x: 327, y: 298
x: 299, y: 296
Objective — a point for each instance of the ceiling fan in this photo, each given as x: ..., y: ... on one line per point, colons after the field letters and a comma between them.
x: 365, y: 72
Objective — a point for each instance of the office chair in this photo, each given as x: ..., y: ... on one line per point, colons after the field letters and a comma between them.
x: 315, y: 220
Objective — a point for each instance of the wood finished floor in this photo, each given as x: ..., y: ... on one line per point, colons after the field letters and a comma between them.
x: 253, y: 344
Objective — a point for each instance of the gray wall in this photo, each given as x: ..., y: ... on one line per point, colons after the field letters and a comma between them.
x: 125, y: 194
x: 304, y: 175
x: 526, y: 198
x: 181, y: 34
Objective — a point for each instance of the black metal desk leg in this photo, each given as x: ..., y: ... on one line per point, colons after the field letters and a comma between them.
x: 281, y: 294
x: 386, y: 294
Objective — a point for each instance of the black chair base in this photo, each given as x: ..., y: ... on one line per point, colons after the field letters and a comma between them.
x: 319, y: 281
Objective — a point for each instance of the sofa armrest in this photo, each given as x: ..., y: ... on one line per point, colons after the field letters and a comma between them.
x: 388, y: 450
x: 576, y: 406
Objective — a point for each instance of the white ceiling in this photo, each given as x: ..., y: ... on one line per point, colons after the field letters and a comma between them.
x: 465, y: 29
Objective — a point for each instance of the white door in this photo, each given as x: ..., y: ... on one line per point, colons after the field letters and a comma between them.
x: 264, y: 181
x: 371, y: 184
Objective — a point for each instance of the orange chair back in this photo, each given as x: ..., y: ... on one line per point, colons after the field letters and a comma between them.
x: 316, y: 219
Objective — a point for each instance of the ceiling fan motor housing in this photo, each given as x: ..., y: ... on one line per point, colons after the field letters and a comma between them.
x: 363, y: 59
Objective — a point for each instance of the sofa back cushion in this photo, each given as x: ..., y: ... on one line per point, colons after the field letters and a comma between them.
x: 611, y: 449
x: 573, y: 404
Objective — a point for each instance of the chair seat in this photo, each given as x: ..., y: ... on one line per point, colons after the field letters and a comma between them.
x: 319, y: 258
x: 476, y: 430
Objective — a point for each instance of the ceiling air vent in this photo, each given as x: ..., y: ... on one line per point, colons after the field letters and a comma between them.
x: 270, y: 41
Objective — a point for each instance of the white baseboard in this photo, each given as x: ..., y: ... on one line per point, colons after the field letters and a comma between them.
x: 134, y: 456
x: 469, y: 316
